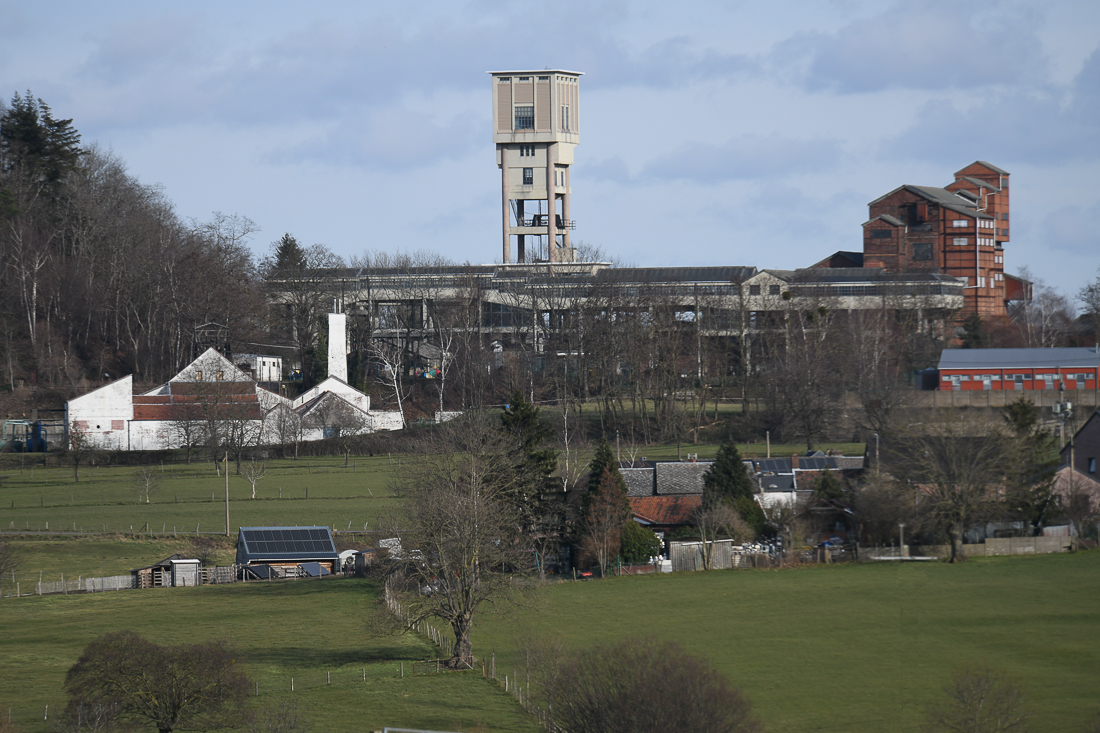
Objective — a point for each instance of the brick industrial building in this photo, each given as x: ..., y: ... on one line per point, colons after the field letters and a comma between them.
x: 959, y: 230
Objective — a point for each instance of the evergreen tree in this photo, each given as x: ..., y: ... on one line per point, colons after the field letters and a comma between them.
x: 289, y: 255
x: 727, y: 480
x: 603, y: 458
x: 1031, y: 463
x: 639, y: 543
x: 828, y: 486
x: 31, y: 139
x: 975, y: 336
x: 522, y: 418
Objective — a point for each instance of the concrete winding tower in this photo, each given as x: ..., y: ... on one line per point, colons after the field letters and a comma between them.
x: 536, y: 126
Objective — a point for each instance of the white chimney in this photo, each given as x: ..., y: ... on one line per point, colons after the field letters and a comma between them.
x: 338, y: 345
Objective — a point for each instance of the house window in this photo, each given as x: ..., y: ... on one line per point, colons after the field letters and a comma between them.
x: 922, y: 251
x: 1092, y: 465
x: 960, y: 241
x: 525, y: 117
x: 754, y: 290
x: 960, y: 222
x: 219, y: 376
x: 198, y: 376
x: 773, y: 290
x: 528, y: 176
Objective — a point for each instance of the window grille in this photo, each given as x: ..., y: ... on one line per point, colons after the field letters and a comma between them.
x: 525, y: 117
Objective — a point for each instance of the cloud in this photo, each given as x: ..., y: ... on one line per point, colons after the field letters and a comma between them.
x: 395, y: 138
x: 1042, y: 126
x: 745, y: 157
x: 931, y: 46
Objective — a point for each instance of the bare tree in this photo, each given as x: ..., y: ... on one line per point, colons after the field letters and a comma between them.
x: 282, y: 718
x: 464, y: 517
x: 546, y: 658
x: 980, y: 700
x: 192, y: 686
x: 146, y: 482
x: 11, y: 557
x: 391, y: 371
x: 1044, y: 319
x: 80, y: 449
x: 715, y: 521
x: 605, y: 515
x: 643, y: 686
x: 958, y: 464
x: 254, y: 470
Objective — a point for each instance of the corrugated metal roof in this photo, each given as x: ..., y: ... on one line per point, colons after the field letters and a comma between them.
x: 1019, y: 358
x: 676, y: 274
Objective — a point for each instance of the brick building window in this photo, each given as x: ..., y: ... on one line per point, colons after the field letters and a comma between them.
x: 960, y: 241
x: 880, y: 233
x: 960, y: 222
x: 922, y: 251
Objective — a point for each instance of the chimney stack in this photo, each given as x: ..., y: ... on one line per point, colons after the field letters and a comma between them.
x: 794, y: 460
x: 338, y: 346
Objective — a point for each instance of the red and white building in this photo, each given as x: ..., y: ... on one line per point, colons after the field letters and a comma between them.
x: 1019, y: 369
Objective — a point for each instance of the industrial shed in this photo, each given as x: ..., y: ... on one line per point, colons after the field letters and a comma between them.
x: 1019, y: 369
x: 264, y: 552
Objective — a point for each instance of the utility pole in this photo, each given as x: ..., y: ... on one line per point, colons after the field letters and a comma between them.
x: 227, y: 493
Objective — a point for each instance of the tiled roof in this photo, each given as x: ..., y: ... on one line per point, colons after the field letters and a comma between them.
x: 639, y: 481
x: 681, y: 478
x: 665, y: 510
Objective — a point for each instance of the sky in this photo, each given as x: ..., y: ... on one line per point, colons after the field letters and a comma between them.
x: 712, y: 133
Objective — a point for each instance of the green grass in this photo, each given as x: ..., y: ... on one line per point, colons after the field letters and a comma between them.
x: 105, y: 499
x: 838, y: 648
x: 851, y: 648
x: 300, y: 629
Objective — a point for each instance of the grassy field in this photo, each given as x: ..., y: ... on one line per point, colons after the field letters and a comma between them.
x: 852, y: 648
x: 837, y: 648
x: 305, y: 630
x: 106, y: 500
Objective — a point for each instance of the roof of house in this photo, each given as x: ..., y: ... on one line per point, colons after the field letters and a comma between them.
x: 770, y: 482
x: 1081, y: 483
x: 1067, y: 357
x: 990, y: 166
x: 256, y: 544
x: 639, y: 481
x: 891, y: 220
x: 665, y: 510
x: 681, y: 478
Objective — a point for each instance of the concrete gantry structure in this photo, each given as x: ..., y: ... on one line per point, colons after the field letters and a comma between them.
x: 536, y: 126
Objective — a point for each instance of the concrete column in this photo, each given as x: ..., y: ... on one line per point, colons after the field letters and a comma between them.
x: 337, y: 346
x: 551, y: 200
x: 567, y: 232
x: 507, y: 256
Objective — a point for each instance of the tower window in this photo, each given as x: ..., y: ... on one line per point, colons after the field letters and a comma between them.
x: 525, y: 117
x: 565, y: 117
x: 526, y: 151
x: 528, y: 176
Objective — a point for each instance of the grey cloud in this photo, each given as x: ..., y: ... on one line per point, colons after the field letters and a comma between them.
x: 744, y: 158
x: 174, y: 69
x: 396, y: 138
x: 929, y: 45
x: 1040, y: 126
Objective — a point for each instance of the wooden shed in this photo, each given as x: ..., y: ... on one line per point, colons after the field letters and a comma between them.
x: 175, y: 571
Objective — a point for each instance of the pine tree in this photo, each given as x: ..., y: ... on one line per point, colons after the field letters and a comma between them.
x: 289, y: 255
x: 975, y: 336
x: 603, y: 458
x: 727, y: 480
x: 31, y: 139
x: 522, y: 418
x: 828, y: 487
